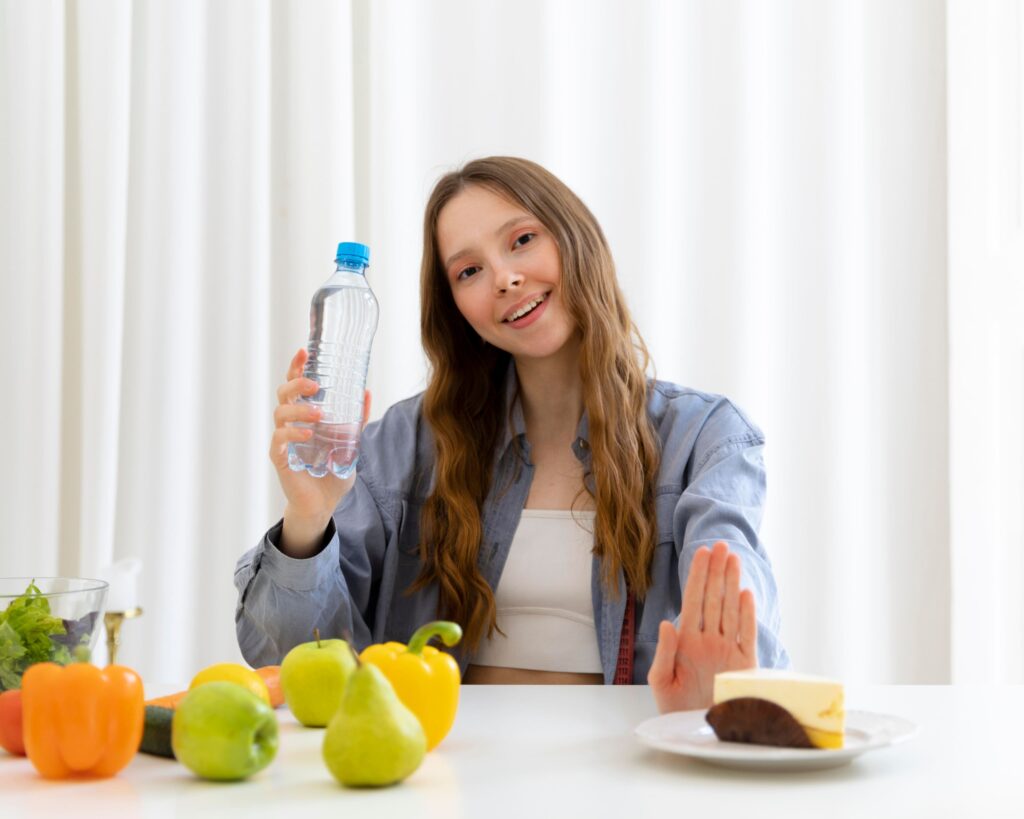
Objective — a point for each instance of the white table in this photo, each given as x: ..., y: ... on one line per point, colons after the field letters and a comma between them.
x: 538, y: 751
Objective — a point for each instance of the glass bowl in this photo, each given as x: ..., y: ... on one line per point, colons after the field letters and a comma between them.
x: 45, y: 619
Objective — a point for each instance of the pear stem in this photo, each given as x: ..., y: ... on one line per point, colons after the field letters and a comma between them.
x: 449, y: 632
x: 347, y: 635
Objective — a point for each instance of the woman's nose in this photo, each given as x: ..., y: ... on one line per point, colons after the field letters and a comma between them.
x: 506, y: 277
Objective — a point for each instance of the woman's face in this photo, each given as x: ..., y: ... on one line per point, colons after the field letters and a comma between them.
x: 504, y: 271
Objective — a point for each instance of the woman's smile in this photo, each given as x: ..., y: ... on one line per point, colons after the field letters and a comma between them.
x: 527, y: 311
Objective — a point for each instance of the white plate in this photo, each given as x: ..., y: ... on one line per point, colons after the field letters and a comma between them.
x: 687, y: 733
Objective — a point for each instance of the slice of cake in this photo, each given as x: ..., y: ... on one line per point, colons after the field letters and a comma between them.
x: 816, y: 703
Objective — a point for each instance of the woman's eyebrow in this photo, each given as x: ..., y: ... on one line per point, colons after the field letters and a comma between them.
x: 515, y: 220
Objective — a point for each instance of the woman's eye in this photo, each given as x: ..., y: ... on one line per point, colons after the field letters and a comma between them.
x: 522, y: 240
x: 466, y: 273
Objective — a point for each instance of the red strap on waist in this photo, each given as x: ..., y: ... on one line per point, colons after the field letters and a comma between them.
x: 624, y: 664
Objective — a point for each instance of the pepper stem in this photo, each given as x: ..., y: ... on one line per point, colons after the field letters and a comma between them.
x: 449, y: 632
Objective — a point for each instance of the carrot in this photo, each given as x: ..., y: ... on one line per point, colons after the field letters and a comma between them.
x: 271, y: 675
x: 168, y: 701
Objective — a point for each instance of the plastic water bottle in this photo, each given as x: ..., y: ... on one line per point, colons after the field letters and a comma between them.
x: 342, y: 321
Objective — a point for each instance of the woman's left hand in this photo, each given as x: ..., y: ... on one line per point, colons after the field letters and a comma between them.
x: 717, y: 632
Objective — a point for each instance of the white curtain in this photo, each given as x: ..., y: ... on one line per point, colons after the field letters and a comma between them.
x: 174, y: 178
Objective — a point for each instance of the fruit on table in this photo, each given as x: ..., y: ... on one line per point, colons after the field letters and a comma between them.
x: 233, y: 673
x: 156, y: 733
x: 271, y: 675
x: 11, y: 739
x: 80, y: 719
x: 373, y: 739
x: 222, y: 731
x: 313, y: 678
x: 425, y: 679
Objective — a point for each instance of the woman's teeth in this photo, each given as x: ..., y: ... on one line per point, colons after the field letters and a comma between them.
x: 526, y: 308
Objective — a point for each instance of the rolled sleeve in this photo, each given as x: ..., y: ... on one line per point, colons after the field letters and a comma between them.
x: 282, y: 599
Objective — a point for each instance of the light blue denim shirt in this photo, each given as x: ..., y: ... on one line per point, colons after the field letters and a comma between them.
x: 710, y: 487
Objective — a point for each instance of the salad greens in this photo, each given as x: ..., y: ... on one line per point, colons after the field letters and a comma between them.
x: 29, y: 634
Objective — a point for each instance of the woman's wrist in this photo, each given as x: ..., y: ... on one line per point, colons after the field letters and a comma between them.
x: 302, y: 537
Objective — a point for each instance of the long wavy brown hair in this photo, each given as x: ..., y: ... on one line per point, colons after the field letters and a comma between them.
x: 465, y: 403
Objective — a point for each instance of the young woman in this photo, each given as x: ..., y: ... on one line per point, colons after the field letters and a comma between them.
x: 581, y: 522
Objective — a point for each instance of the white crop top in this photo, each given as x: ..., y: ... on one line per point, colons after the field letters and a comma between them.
x: 543, y: 598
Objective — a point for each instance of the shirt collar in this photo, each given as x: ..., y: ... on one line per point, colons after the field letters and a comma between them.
x: 515, y: 423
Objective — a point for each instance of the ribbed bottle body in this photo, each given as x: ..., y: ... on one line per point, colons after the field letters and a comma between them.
x: 342, y: 322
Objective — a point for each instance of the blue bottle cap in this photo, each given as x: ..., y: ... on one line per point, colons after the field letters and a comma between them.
x: 352, y: 252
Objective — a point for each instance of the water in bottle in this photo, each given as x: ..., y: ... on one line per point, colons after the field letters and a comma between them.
x: 342, y: 321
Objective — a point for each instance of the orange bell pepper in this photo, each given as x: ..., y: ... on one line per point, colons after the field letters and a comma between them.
x: 426, y: 680
x: 80, y: 719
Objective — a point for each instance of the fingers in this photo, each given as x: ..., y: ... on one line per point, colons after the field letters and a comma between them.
x: 288, y: 392
x: 712, y: 598
x: 297, y: 364
x: 693, y: 594
x: 290, y: 413
x: 748, y: 625
x: 731, y: 605
x: 663, y: 665
x: 366, y: 407
x: 714, y: 588
x: 295, y: 385
x: 281, y: 438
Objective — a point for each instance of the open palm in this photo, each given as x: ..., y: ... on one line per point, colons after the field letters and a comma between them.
x: 717, y: 632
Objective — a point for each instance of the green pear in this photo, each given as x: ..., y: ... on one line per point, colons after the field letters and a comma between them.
x: 373, y: 739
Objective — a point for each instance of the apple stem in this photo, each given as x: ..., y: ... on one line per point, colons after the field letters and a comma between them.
x: 316, y: 636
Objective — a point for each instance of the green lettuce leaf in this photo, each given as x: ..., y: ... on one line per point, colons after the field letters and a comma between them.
x: 26, y: 627
x: 11, y: 652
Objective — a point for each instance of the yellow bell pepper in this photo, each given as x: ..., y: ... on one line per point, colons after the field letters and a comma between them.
x: 426, y: 680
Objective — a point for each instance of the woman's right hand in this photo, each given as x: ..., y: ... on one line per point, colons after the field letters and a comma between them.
x: 310, y: 501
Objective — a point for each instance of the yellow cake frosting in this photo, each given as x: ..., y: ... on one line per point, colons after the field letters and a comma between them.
x: 815, y: 702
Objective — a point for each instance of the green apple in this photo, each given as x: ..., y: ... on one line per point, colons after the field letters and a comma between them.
x: 221, y: 730
x: 313, y: 678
